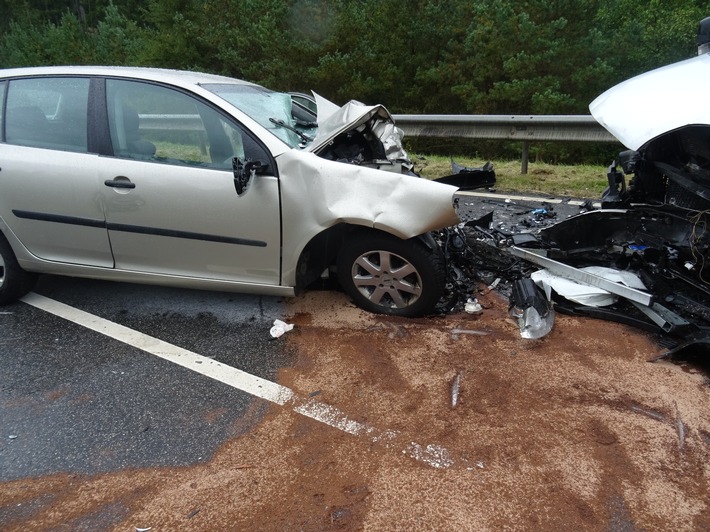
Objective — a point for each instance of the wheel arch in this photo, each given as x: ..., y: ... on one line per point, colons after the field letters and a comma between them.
x: 322, y: 250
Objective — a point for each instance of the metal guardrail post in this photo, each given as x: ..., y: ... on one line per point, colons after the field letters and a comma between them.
x: 526, y: 156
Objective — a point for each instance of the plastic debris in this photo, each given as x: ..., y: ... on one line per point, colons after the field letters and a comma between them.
x: 572, y: 290
x: 532, y: 310
x: 473, y: 306
x: 279, y: 328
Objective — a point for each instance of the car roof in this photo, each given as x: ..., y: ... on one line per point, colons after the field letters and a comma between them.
x: 175, y: 77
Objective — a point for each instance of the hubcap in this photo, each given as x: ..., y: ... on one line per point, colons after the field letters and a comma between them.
x: 386, y: 279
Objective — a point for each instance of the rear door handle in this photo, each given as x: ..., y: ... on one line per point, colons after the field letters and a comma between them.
x: 119, y: 182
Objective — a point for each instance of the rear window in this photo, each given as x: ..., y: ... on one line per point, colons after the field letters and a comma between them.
x: 48, y: 113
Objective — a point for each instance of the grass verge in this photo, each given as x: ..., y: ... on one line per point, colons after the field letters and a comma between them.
x: 578, y: 181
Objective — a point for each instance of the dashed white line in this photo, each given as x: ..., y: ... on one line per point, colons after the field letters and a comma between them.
x: 236, y: 378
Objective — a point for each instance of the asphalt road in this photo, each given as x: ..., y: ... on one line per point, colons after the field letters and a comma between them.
x: 74, y: 400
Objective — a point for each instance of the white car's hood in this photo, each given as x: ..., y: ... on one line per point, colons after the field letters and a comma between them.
x: 644, y: 107
x: 334, y: 120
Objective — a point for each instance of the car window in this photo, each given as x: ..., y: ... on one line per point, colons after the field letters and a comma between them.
x: 47, y: 113
x: 160, y: 124
x: 272, y: 110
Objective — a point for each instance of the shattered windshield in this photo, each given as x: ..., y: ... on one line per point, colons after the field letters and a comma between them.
x: 270, y: 109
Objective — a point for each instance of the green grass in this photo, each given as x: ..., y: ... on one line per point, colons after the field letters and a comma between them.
x: 578, y: 181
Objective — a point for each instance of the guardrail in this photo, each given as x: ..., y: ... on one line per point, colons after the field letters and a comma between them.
x: 582, y: 128
x: 554, y: 128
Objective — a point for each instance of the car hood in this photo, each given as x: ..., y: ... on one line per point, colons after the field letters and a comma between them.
x: 334, y: 120
x: 647, y: 106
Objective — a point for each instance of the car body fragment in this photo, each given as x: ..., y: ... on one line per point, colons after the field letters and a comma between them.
x: 657, y: 102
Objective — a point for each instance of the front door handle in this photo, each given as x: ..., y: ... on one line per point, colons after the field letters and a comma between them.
x: 119, y: 182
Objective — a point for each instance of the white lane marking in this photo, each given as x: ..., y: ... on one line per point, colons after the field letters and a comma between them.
x: 233, y: 377
x: 182, y: 357
x: 538, y: 199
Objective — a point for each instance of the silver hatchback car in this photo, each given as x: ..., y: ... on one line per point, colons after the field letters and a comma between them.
x: 203, y: 181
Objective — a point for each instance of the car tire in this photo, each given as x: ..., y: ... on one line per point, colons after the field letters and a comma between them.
x: 14, y: 281
x: 386, y: 275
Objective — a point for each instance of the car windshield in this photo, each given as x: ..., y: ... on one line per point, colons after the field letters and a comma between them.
x: 270, y: 109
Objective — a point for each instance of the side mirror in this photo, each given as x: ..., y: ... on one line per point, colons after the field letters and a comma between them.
x: 244, y: 171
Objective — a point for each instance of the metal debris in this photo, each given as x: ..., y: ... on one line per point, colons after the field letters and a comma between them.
x: 648, y: 412
x: 469, y: 331
x: 680, y: 429
x: 455, y: 388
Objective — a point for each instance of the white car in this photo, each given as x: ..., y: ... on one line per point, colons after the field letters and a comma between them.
x: 203, y: 181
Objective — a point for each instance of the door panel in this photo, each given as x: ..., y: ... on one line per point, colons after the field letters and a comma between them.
x: 62, y: 219
x: 182, y: 215
x: 50, y: 196
x: 189, y: 221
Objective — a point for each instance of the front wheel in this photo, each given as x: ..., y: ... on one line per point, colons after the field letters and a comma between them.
x: 14, y: 281
x: 386, y: 275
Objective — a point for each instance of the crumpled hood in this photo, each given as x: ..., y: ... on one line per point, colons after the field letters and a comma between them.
x: 647, y: 106
x: 334, y: 120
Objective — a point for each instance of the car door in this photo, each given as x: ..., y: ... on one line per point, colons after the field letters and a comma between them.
x: 49, y: 180
x: 170, y: 199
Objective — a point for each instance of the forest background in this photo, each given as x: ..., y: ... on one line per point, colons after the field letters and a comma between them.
x: 413, y: 56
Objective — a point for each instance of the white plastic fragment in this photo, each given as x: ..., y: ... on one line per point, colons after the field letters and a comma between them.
x: 473, y: 306
x: 279, y: 328
x: 590, y: 296
x: 584, y: 294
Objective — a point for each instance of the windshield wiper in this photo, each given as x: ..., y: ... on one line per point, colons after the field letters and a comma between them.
x: 278, y: 122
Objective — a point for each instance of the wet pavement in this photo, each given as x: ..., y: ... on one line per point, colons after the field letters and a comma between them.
x: 73, y: 400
